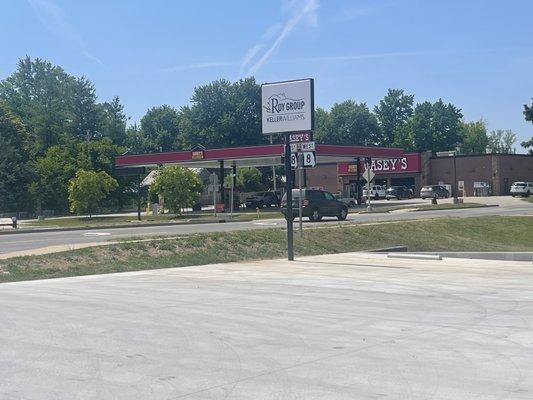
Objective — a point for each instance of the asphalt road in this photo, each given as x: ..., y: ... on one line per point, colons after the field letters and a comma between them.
x: 29, y: 241
x: 335, y: 327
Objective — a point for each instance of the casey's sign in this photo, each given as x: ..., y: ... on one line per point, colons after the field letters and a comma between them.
x: 409, y: 163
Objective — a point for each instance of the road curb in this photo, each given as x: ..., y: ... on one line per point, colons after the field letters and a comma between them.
x: 87, y: 228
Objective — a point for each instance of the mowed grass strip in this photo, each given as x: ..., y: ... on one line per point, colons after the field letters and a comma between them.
x: 444, y: 234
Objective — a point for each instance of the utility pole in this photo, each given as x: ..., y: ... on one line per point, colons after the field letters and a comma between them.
x: 273, y: 170
x: 288, y: 180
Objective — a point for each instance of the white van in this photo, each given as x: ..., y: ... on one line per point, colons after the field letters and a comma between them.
x: 522, y: 189
x: 376, y: 192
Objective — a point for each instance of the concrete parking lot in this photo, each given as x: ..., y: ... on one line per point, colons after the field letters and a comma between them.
x: 347, y: 326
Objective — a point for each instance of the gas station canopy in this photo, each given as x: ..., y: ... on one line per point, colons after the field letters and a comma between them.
x: 251, y: 156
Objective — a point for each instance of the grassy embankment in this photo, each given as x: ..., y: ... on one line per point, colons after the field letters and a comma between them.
x: 84, y: 222
x: 444, y: 234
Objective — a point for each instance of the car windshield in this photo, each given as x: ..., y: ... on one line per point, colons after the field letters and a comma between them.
x: 520, y: 184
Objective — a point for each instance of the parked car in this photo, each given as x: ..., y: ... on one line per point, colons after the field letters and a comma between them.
x: 398, y: 192
x: 434, y: 192
x: 315, y: 205
x: 521, y: 189
x: 376, y: 192
x: 264, y: 199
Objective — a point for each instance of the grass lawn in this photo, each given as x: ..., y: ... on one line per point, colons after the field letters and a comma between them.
x: 83, y: 222
x: 444, y: 234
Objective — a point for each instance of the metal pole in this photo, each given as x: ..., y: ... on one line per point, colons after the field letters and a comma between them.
x: 300, y: 177
x: 221, y: 179
x: 139, y: 198
x: 367, y: 168
x: 359, y: 191
x: 231, y: 196
x: 288, y: 179
x: 273, y: 170
x: 455, y: 200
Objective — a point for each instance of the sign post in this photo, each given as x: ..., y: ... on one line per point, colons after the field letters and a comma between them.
x: 368, y: 176
x: 452, y: 153
x: 290, y: 217
x: 288, y: 108
x: 300, y: 178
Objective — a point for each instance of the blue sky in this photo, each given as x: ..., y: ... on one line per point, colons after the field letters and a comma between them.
x: 477, y: 54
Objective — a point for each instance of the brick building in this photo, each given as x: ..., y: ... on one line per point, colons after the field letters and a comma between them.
x: 477, y: 175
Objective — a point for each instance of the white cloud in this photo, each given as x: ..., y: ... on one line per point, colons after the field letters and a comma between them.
x: 300, y: 12
x: 53, y: 18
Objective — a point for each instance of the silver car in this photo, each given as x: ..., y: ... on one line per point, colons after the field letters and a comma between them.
x: 434, y: 192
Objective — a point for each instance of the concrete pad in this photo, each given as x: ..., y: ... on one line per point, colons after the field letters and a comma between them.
x: 347, y: 326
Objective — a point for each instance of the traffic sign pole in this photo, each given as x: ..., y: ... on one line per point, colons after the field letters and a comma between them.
x: 300, y: 177
x: 288, y: 179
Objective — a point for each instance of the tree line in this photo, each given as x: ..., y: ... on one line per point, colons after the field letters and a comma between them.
x: 53, y: 126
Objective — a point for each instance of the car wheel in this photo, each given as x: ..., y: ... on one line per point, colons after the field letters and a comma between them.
x: 342, y: 214
x: 315, y: 215
x: 376, y: 197
x: 352, y: 204
x: 388, y: 198
x: 527, y: 194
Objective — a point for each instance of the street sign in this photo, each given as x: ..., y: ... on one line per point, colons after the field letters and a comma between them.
x: 302, y: 146
x: 307, y: 157
x: 368, y: 175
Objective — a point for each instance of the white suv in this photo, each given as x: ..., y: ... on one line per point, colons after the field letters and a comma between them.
x: 521, y: 189
x: 376, y: 192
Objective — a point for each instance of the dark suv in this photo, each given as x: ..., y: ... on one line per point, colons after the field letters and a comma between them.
x: 315, y: 205
x: 261, y: 200
x: 398, y: 192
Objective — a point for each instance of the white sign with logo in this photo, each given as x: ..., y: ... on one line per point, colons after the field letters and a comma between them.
x: 287, y: 106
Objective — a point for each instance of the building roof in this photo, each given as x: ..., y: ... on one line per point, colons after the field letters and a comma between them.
x: 256, y: 156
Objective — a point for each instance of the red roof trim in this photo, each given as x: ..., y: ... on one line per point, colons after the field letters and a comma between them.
x: 272, y: 150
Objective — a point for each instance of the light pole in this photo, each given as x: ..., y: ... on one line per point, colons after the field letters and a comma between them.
x: 452, y: 153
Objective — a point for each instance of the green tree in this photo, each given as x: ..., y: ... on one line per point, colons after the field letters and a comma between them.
x: 160, y: 128
x: 85, y: 114
x: 97, y: 155
x: 114, y: 121
x: 528, y: 115
x: 14, y: 172
x: 223, y: 114
x: 180, y: 187
x: 475, y: 139
x: 392, y: 113
x: 433, y: 126
x: 349, y: 123
x: 87, y: 190
x: 39, y: 93
x: 528, y: 112
x: 53, y: 172
x: 502, y: 141
x: 249, y: 179
x: 321, y: 123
